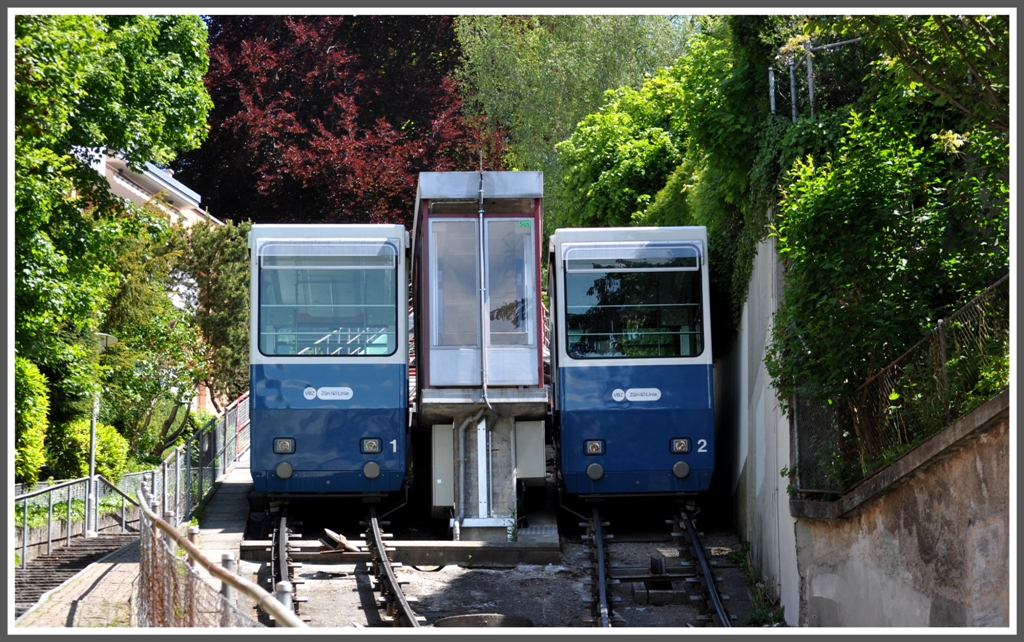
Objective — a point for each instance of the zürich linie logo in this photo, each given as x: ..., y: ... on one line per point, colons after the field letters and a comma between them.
x: 309, y: 393
x: 618, y: 394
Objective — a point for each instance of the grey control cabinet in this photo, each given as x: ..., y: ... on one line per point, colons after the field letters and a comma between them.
x: 443, y: 476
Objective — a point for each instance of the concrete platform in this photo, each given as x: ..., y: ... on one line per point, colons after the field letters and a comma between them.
x: 222, y: 525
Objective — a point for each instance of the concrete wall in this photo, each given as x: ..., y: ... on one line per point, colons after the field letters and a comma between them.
x: 758, y: 435
x: 929, y: 547
x: 924, y: 542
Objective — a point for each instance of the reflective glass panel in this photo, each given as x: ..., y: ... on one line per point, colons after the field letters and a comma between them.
x: 312, y: 303
x: 455, y: 296
x: 625, y: 314
x: 510, y: 281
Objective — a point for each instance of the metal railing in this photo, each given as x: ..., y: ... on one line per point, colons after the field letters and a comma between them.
x: 185, y: 479
x: 187, y: 475
x: 957, y: 367
x: 171, y: 592
x: 73, y: 503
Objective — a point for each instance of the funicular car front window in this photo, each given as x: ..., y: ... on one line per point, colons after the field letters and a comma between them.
x: 646, y: 304
x: 319, y: 299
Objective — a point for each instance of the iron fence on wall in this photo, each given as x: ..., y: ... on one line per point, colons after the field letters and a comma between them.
x: 957, y: 367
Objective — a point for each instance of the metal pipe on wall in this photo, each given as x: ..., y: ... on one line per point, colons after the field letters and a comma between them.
x: 484, y: 301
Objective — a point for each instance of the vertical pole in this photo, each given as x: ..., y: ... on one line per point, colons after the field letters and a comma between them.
x: 199, y: 499
x: 810, y: 83
x: 188, y: 476
x: 24, y: 535
x: 792, y: 90
x: 123, y: 525
x: 90, y: 497
x: 49, y: 522
x: 193, y: 538
x: 481, y: 467
x: 67, y: 525
x: 231, y: 566
x: 165, y: 498
x: 945, y: 379
x: 283, y: 593
x: 771, y: 87
x: 177, y: 487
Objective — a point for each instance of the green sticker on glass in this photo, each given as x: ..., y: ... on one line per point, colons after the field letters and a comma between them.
x: 524, y: 224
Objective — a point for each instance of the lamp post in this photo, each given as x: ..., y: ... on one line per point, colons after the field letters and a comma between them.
x: 105, y: 340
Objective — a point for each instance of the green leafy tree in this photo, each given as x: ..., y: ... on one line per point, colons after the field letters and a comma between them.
x: 31, y: 404
x: 619, y: 158
x: 962, y: 61
x: 536, y: 77
x: 159, y: 358
x: 85, y: 84
x: 68, y: 450
x: 695, y: 145
x: 876, y: 243
x: 212, y: 276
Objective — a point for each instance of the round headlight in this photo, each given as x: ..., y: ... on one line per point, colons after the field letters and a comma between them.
x: 371, y: 470
x: 284, y: 470
x: 681, y: 469
x: 595, y: 471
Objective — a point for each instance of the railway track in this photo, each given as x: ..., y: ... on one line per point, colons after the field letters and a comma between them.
x: 282, y: 568
x: 655, y: 580
x: 390, y: 597
x: 710, y: 603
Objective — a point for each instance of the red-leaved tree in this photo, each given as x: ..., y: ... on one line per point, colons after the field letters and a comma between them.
x: 330, y: 118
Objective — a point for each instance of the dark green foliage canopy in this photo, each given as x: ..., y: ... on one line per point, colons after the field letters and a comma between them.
x: 87, y: 85
x: 212, y: 273
x: 889, y: 202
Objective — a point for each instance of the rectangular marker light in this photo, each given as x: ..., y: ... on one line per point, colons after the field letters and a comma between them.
x: 369, y: 446
x: 680, y: 446
x: 284, y: 446
x: 593, y: 447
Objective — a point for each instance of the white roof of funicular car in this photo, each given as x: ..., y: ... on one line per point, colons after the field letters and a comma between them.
x: 461, y: 185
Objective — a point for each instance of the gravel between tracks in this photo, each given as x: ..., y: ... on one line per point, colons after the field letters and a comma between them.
x: 339, y: 595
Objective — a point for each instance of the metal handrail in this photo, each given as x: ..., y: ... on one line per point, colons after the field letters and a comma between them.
x: 263, y: 599
x: 50, y: 489
x: 116, y: 489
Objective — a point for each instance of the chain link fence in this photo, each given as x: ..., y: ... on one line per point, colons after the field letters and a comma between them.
x: 171, y: 593
x: 964, y: 362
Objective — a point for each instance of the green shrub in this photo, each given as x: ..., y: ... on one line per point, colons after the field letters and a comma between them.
x: 31, y: 405
x: 68, y: 450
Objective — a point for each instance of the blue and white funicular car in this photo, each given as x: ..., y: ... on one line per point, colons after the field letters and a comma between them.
x: 329, y: 359
x: 632, y: 352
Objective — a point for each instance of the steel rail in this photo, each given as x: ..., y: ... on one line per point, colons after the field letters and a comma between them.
x: 603, y: 616
x: 281, y: 545
x: 705, y: 568
x: 397, y: 605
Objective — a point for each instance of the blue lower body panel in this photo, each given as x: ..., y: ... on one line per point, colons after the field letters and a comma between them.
x: 636, y: 412
x: 328, y: 428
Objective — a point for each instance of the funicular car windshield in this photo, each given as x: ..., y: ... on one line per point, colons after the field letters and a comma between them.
x: 633, y: 300
x: 336, y: 298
